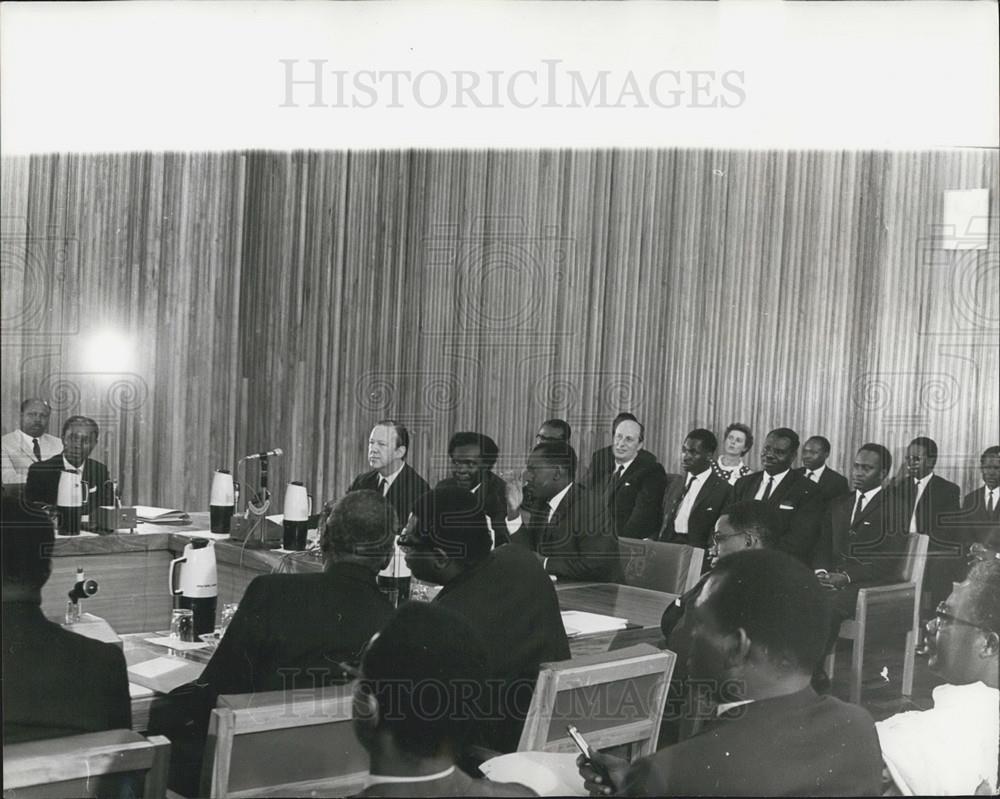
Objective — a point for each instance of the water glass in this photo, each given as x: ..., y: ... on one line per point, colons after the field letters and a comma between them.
x: 228, y: 611
x: 182, y: 624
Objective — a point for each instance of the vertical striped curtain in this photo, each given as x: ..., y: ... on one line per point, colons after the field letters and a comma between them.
x: 292, y: 299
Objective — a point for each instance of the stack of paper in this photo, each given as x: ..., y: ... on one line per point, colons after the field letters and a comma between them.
x: 145, y: 513
x: 163, y: 674
x: 578, y: 622
x: 546, y: 773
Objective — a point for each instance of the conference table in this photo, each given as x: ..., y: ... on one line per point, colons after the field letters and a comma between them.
x: 133, y: 598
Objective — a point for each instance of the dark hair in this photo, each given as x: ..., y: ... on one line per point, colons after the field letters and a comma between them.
x: 753, y: 517
x: 885, y: 457
x: 704, y: 437
x: 29, y: 400
x: 452, y: 520
x: 788, y: 433
x: 361, y: 523
x: 823, y: 442
x: 427, y: 670
x: 990, y: 452
x: 402, y: 434
x: 84, y: 420
x: 628, y: 417
x: 559, y: 424
x: 929, y: 445
x: 558, y: 453
x: 744, y: 430
x: 984, y: 590
x: 778, y: 602
x: 488, y: 449
x: 28, y: 538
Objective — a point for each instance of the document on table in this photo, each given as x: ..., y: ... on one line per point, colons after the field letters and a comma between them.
x: 180, y: 646
x: 151, y: 515
x: 546, y: 773
x: 163, y: 674
x: 578, y: 622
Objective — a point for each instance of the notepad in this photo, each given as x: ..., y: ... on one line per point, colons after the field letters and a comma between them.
x: 546, y: 773
x: 578, y: 622
x: 151, y: 515
x: 180, y: 646
x: 165, y: 673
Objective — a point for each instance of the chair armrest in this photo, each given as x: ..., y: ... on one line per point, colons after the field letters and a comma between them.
x: 887, y: 591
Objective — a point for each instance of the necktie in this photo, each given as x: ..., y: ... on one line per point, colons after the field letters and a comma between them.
x: 36, y: 449
x: 617, y: 475
x: 382, y: 482
x: 809, y: 476
x: 990, y: 505
x: 767, y: 491
x: 857, y: 507
x: 680, y: 499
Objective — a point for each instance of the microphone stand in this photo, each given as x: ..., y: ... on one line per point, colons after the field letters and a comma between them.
x: 257, y: 510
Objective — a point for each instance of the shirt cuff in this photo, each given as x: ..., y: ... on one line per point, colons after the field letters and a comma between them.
x: 545, y: 563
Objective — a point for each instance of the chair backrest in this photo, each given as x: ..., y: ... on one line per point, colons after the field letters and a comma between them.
x: 614, y: 699
x: 913, y: 569
x: 672, y: 568
x: 116, y: 762
x: 283, y: 743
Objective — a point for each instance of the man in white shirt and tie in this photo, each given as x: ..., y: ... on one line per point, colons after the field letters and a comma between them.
x: 831, y: 483
x: 79, y: 437
x: 29, y: 444
x: 693, y: 502
x: 981, y: 507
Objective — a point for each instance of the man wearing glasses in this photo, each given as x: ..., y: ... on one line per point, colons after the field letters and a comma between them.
x: 951, y: 749
x: 79, y: 437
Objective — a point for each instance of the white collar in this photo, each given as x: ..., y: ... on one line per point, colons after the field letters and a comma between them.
x: 697, y: 478
x: 394, y: 475
x: 69, y: 467
x: 987, y: 489
x: 730, y: 705
x: 776, y: 477
x: 623, y: 466
x: 377, y: 779
x: 28, y: 439
x: 817, y: 473
x: 869, y: 495
x: 554, y: 502
x: 924, y: 480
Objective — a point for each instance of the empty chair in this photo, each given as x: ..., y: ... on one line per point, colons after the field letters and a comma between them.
x: 671, y: 568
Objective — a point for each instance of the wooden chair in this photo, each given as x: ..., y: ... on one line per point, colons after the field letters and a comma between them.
x: 298, y: 743
x: 886, y: 611
x: 672, y: 568
x: 616, y: 699
x: 94, y: 764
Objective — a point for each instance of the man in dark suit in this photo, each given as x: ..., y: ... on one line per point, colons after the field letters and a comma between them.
x: 418, y: 702
x: 926, y: 503
x: 814, y: 454
x: 79, y: 437
x: 797, y: 500
x: 694, y: 501
x: 473, y: 457
x: 979, y: 519
x: 291, y: 631
x: 602, y: 462
x: 391, y: 475
x: 55, y: 682
x: 861, y: 543
x: 758, y: 628
x: 631, y: 480
x: 570, y: 531
x: 504, y: 594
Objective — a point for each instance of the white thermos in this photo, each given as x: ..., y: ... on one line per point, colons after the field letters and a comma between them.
x: 198, y: 585
x: 222, y: 501
x: 297, y: 510
x: 70, y: 499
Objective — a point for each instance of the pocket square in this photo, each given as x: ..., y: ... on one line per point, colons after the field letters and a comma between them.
x: 707, y: 509
x: 786, y: 507
x: 92, y: 490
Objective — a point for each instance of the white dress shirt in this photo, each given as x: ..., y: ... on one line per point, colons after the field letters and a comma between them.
x: 774, y: 487
x: 388, y: 481
x: 814, y: 474
x: 866, y: 497
x: 921, y: 486
x: 687, y: 503
x: 18, y: 454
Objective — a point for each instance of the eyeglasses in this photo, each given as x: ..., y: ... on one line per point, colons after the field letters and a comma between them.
x: 718, y: 538
x: 941, y: 613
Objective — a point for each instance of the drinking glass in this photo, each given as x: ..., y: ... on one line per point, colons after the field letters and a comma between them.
x: 182, y: 624
x: 228, y: 611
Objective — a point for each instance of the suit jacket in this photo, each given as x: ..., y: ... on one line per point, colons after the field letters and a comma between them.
x: 800, y: 511
x: 492, y: 494
x: 831, y: 484
x: 795, y: 745
x: 872, y: 548
x: 712, y: 498
x: 979, y: 526
x: 635, y: 500
x: 18, y: 456
x: 304, y: 624
x: 602, y: 466
x: 579, y: 541
x: 511, y: 600
x: 403, y: 494
x: 935, y: 511
x: 43, y: 483
x: 58, y: 683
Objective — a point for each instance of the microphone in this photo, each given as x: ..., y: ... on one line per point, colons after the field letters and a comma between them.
x: 271, y: 453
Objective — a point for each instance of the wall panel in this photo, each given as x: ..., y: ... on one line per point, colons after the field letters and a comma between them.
x: 290, y: 299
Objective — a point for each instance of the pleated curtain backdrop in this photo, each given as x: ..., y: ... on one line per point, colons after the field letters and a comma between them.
x: 292, y: 299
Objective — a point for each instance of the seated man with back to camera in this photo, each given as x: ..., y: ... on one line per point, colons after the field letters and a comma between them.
x: 55, y: 682
x: 758, y: 631
x: 417, y: 703
x: 951, y: 749
x: 79, y: 437
x: 473, y: 457
x: 569, y: 531
x: 290, y: 631
x: 504, y: 594
x: 30, y: 443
